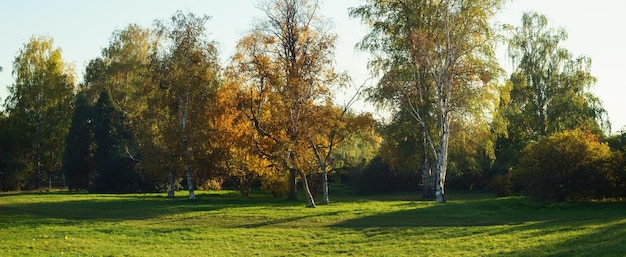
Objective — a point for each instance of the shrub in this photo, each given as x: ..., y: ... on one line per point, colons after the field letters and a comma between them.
x: 212, y: 184
x: 275, y: 183
x: 501, y: 185
x: 571, y: 165
x: 379, y: 177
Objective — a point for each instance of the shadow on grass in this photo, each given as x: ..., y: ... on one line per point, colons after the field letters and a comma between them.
x: 563, y: 229
x: 287, y: 220
x: 73, y: 207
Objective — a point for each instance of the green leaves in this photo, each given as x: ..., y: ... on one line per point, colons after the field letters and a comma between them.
x: 40, y: 104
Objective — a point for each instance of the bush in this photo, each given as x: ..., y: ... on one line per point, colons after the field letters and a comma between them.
x: 378, y: 177
x: 501, y: 185
x: 212, y: 184
x: 276, y: 183
x: 567, y: 166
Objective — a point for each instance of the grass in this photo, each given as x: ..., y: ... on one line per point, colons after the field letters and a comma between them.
x: 221, y: 223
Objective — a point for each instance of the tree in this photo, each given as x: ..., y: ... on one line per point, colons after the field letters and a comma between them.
x: 437, y: 60
x: 112, y: 136
x: 40, y: 105
x: 123, y: 70
x: 243, y: 166
x: 331, y: 127
x: 286, y: 67
x: 78, y: 162
x: 550, y: 88
x: 188, y: 70
x: 569, y: 165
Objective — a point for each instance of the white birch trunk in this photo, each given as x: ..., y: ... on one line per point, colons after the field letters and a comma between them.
x: 185, y: 144
x: 307, y: 191
x: 442, y: 167
x: 323, y: 168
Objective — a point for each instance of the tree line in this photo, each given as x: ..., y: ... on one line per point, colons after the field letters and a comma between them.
x: 158, y: 112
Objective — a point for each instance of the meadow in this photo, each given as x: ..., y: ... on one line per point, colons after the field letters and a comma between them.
x: 222, y: 223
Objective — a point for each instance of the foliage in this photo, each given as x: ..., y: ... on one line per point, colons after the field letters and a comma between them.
x: 285, y: 69
x: 550, y: 89
x: 276, y: 183
x: 187, y: 69
x: 78, y: 162
x: 379, y: 177
x: 571, y: 165
x: 114, y: 166
x: 39, y: 106
x: 437, y: 62
x: 550, y: 86
x: 501, y: 185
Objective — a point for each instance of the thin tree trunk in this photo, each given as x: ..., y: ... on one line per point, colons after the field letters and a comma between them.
x: 307, y: 191
x: 428, y: 182
x: 185, y: 144
x: 323, y: 167
x: 292, y: 196
x: 171, y: 192
x: 325, y: 184
x: 192, y: 195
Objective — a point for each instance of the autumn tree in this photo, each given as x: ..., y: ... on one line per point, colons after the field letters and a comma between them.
x: 244, y: 167
x: 187, y: 70
x: 436, y: 60
x: 40, y: 106
x: 569, y: 165
x: 286, y: 67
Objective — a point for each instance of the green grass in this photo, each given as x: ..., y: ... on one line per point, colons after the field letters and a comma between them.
x: 224, y: 224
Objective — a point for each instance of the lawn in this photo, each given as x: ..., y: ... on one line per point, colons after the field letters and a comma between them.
x: 221, y: 223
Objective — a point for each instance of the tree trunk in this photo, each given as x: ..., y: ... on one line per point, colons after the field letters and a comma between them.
x: 442, y: 160
x: 170, y: 193
x: 192, y: 195
x: 325, y: 184
x: 292, y: 196
x: 185, y: 144
x: 307, y: 191
x: 428, y: 181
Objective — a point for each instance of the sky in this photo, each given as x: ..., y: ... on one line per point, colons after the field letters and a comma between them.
x: 82, y: 28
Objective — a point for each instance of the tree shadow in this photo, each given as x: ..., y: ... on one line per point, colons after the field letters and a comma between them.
x: 506, y: 216
x: 72, y: 207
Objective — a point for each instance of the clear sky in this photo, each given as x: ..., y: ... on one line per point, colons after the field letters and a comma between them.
x: 82, y: 28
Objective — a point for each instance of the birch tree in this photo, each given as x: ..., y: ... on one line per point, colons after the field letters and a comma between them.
x: 188, y: 71
x: 40, y: 103
x: 286, y: 66
x: 434, y: 57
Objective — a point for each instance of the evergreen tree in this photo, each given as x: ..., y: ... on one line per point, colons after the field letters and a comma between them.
x: 114, y: 166
x: 78, y: 163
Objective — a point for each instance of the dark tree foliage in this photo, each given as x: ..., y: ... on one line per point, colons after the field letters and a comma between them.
x: 78, y: 162
x: 379, y: 177
x: 114, y: 166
